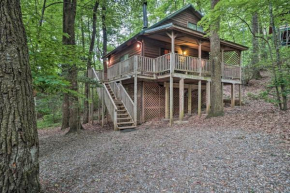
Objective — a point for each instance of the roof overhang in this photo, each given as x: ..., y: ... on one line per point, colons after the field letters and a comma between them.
x: 172, y: 27
x: 197, y: 34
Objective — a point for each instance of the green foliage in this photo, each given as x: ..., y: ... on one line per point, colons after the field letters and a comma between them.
x: 49, y: 121
x: 124, y: 19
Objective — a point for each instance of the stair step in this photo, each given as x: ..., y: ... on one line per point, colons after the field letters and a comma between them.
x: 126, y: 127
x: 125, y: 123
x: 126, y: 118
x: 122, y: 110
x: 122, y: 114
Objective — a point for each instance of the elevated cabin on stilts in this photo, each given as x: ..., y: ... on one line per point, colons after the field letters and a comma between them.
x: 165, y: 71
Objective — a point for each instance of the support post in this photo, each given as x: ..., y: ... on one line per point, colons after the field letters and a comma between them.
x: 171, y: 100
x: 172, y: 64
x: 189, y: 99
x: 166, y: 100
x: 199, y: 57
x: 92, y: 106
x: 115, y: 121
x: 135, y: 90
x: 207, y: 96
x: 103, y: 107
x: 232, y: 95
x: 99, y: 105
x: 223, y: 64
x: 199, y: 98
x: 154, y: 69
x: 240, y: 95
x: 181, y: 99
x: 222, y: 88
x: 240, y: 61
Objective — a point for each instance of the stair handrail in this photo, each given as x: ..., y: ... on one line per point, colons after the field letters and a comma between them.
x: 109, y: 101
x: 96, y: 75
x: 127, y: 101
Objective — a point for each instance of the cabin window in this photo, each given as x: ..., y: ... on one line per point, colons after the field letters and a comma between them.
x: 194, y: 27
x: 124, y: 57
x: 125, y: 64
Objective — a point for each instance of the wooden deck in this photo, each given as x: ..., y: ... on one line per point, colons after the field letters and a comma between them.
x: 179, y: 66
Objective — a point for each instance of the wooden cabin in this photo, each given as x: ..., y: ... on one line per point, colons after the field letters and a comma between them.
x: 164, y: 71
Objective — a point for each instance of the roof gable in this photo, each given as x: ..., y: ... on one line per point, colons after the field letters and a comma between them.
x: 181, y: 17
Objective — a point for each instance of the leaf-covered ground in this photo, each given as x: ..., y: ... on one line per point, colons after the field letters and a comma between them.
x: 246, y: 150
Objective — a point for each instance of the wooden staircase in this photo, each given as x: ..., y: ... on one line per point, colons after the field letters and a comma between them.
x: 124, y: 120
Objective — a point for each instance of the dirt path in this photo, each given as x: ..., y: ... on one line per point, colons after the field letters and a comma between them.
x: 246, y: 150
x: 184, y: 159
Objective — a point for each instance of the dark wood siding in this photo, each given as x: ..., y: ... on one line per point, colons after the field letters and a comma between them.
x: 130, y: 50
x: 152, y: 49
x: 182, y: 19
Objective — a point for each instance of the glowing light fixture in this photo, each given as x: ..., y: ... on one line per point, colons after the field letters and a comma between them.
x: 138, y: 45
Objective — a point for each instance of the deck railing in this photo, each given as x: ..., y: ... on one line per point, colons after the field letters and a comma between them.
x: 162, y: 63
x: 145, y: 64
x: 96, y: 76
x: 126, y: 99
x: 103, y: 92
x: 231, y: 72
x: 112, y: 108
x: 121, y: 68
x: 121, y: 93
x: 158, y: 66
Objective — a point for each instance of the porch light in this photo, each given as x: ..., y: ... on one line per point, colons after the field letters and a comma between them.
x: 138, y: 45
x: 184, y: 53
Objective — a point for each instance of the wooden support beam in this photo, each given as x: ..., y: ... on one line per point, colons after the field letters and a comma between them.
x: 233, y: 95
x: 207, y: 97
x: 171, y: 101
x: 181, y: 99
x: 135, y: 89
x: 223, y: 64
x: 186, y: 86
x: 103, y: 108
x: 172, y: 64
x: 92, y: 106
x: 240, y: 95
x: 189, y: 99
x: 199, y: 98
x: 199, y: 57
x: 142, y: 103
x: 166, y: 101
x: 222, y: 88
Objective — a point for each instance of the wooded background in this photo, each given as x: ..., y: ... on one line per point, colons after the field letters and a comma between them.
x: 66, y: 38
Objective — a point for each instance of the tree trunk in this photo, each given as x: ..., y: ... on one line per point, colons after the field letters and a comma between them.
x: 104, y: 28
x: 255, y: 53
x: 69, y: 13
x: 281, y: 80
x: 19, y: 146
x: 216, y: 87
x: 65, y: 109
x: 89, y: 64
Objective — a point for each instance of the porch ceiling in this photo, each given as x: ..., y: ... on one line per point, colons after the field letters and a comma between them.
x: 181, y: 40
x: 189, y: 38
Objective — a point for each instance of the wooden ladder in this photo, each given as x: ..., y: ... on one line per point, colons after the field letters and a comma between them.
x: 124, y: 120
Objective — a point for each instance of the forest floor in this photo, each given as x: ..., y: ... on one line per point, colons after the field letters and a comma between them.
x: 246, y: 150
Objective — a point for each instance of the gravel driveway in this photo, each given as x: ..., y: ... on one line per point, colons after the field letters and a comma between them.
x: 180, y: 159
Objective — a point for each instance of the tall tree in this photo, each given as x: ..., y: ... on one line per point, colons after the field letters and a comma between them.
x: 280, y: 72
x: 71, y: 103
x: 19, y: 146
x: 216, y: 86
x: 255, y: 44
x: 89, y: 63
x: 104, y: 28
